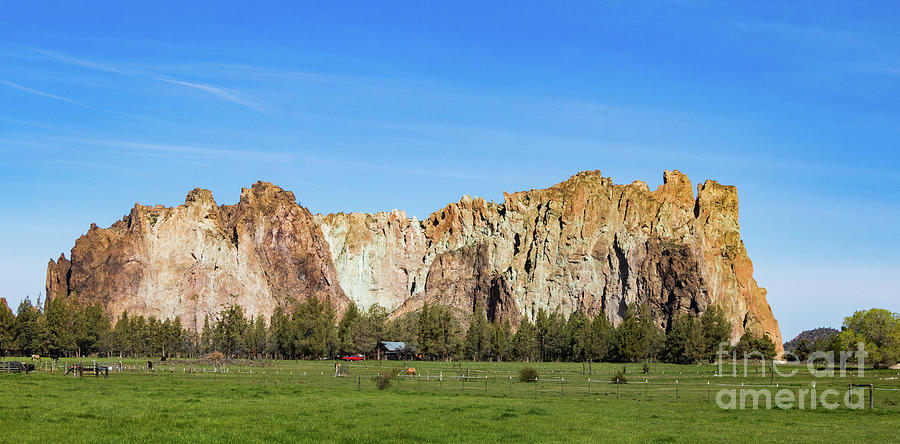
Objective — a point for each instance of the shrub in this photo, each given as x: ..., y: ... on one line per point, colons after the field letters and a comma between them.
x: 528, y: 374
x: 646, y: 368
x: 383, y: 380
x: 618, y: 378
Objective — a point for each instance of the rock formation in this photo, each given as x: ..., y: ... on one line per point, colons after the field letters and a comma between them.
x: 5, y: 306
x: 584, y: 244
x: 197, y: 258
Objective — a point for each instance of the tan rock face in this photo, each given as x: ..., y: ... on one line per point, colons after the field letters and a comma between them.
x: 4, y: 305
x: 378, y: 256
x: 197, y: 258
x: 584, y: 244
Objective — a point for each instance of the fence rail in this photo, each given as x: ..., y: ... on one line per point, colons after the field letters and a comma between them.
x: 696, y: 387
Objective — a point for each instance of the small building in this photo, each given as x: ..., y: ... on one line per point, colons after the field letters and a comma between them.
x: 396, y: 350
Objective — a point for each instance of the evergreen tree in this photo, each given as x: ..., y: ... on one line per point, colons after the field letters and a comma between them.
x: 500, y: 341
x: 638, y: 338
x: 556, y: 346
x: 30, y: 337
x: 542, y: 332
x: 602, y: 337
x: 173, y: 334
x: 578, y: 337
x: 447, y: 333
x: 107, y: 345
x: 8, y: 328
x: 229, y: 332
x: 157, y: 337
x: 60, y: 325
x: 427, y: 332
x: 403, y: 329
x: 280, y: 338
x: 525, y: 343
x: 315, y: 334
x: 91, y: 326
x: 121, y: 334
x: 190, y: 341
x: 206, y: 336
x: 766, y: 346
x: 258, y: 346
x: 804, y: 349
x: 752, y: 346
x: 684, y: 342
x: 371, y: 330
x: 347, y: 329
x: 478, y: 337
x: 716, y: 331
x: 138, y: 336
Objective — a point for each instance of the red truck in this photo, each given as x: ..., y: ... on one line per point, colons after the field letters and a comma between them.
x: 356, y: 357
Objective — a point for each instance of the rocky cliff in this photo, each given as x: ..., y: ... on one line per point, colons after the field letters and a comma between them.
x: 5, y: 306
x: 195, y: 259
x: 584, y: 244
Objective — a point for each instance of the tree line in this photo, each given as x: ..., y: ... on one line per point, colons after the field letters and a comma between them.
x: 877, y: 329
x: 312, y: 331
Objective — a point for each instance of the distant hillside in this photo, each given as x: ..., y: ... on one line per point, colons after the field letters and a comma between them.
x: 810, y: 335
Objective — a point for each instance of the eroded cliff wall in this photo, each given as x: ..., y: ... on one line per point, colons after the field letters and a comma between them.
x: 584, y: 244
x: 197, y: 258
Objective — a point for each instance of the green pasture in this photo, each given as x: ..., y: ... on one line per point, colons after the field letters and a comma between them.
x: 265, y: 401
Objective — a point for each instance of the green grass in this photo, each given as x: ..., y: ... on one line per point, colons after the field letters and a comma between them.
x: 303, y: 401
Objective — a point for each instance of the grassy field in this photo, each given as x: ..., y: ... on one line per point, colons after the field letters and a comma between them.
x: 304, y: 401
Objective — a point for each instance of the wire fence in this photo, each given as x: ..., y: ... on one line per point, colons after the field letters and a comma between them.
x: 882, y: 391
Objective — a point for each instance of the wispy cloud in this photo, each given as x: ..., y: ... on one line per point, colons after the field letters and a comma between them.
x: 27, y: 123
x: 374, y: 168
x: 591, y: 107
x: 223, y: 93
x: 37, y: 92
x: 253, y: 71
x: 184, y: 150
x: 103, y: 166
x: 65, y: 58
x: 74, y: 102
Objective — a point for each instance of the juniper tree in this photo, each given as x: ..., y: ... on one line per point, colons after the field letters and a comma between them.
x: 347, y: 328
x: 684, y: 341
x: 500, y: 340
x: 638, y: 338
x: 716, y: 331
x: 8, y: 327
x: 602, y: 337
x: 524, y: 342
x: 478, y: 337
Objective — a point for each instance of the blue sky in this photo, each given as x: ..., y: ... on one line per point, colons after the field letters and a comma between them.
x: 364, y: 107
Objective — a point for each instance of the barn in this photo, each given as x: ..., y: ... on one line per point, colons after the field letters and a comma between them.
x: 396, y: 350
